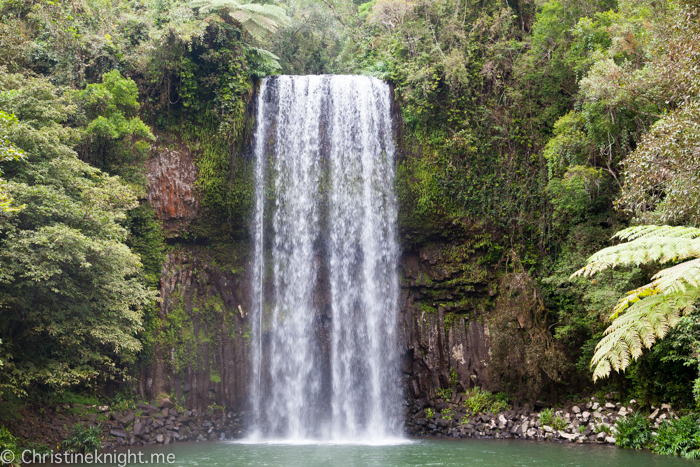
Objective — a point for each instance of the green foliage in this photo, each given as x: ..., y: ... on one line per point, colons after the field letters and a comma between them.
x: 429, y: 413
x: 70, y: 397
x: 574, y: 193
x: 480, y: 400
x: 679, y: 437
x: 446, y: 414
x: 122, y: 401
x: 633, y: 431
x: 650, y: 311
x: 212, y: 407
x: 83, y: 439
x: 146, y: 238
x: 112, y: 125
x: 445, y: 393
x: 668, y: 372
x: 225, y: 182
x: 546, y: 416
x: 257, y: 20
x: 10, y: 443
x: 569, y: 145
x: 311, y: 42
x: 8, y: 151
x: 72, y: 300
x: 454, y: 379
x: 558, y: 423
x: 671, y: 79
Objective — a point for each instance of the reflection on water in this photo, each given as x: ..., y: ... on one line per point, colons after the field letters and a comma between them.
x: 423, y: 452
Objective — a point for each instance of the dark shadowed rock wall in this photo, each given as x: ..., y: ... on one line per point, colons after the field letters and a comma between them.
x: 200, y: 353
x: 445, y: 301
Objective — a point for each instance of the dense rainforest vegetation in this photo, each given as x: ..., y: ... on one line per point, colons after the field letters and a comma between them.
x: 551, y: 124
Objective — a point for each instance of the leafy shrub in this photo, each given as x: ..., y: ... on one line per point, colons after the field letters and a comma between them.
x: 83, y: 439
x: 429, y: 413
x: 559, y: 423
x: 679, y: 437
x: 633, y: 432
x: 212, y: 407
x: 546, y: 417
x: 445, y: 394
x: 454, y: 379
x: 446, y: 414
x: 39, y: 448
x: 122, y: 401
x: 499, y: 406
x: 479, y: 400
x: 68, y: 397
x: 9, y: 443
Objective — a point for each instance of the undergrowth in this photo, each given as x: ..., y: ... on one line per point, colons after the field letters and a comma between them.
x: 633, y: 432
x: 480, y: 400
x: 83, y: 439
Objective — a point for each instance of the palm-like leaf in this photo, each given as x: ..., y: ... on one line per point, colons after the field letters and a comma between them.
x: 648, y: 312
x: 258, y: 20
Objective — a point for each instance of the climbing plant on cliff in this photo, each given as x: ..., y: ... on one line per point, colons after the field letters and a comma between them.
x: 649, y: 312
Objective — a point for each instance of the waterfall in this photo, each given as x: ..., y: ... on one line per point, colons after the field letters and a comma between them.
x: 325, y: 284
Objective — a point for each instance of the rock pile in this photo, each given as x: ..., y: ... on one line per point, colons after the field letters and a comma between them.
x: 148, y: 424
x: 151, y: 424
x: 587, y: 422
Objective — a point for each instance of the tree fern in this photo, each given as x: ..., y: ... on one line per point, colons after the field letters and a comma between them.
x: 647, y: 313
x: 258, y: 20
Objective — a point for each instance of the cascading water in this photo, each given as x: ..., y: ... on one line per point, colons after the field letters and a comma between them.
x: 325, y: 281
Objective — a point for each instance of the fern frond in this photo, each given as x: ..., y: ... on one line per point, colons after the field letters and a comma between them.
x: 649, y: 312
x: 677, y: 278
x: 665, y: 231
x: 258, y: 20
x: 257, y: 27
x: 633, y: 297
x: 644, y: 322
x: 642, y: 250
x: 267, y: 57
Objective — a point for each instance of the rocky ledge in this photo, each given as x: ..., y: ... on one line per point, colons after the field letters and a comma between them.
x: 150, y: 424
x: 587, y: 422
x: 147, y: 424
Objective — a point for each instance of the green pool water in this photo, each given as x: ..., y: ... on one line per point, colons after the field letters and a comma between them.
x: 421, y: 452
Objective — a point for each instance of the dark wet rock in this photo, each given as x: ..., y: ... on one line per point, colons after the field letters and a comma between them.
x: 166, y: 403
x: 127, y: 419
x: 148, y: 407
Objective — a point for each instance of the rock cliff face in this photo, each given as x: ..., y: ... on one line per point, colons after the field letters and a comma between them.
x: 444, y: 302
x: 201, y: 349
x: 171, y: 192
